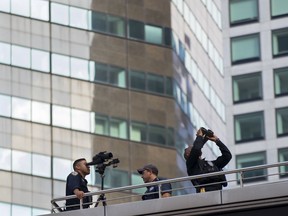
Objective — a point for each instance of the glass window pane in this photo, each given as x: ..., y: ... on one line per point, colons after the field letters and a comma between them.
x: 78, y: 18
x: 21, y: 108
x: 59, y: 13
x: 118, y: 128
x: 249, y: 127
x: 117, y: 76
x: 5, y: 159
x: 5, y: 105
x: 21, y: 56
x: 60, y: 64
x: 80, y: 120
x: 252, y: 159
x: 282, y: 157
x: 101, y: 125
x: 79, y: 68
x: 136, y: 29
x: 5, y: 5
x: 245, y: 48
x: 41, y: 165
x: 279, y: 8
x: 5, y: 54
x: 280, y: 42
x: 136, y: 180
x: 238, y: 6
x: 101, y: 73
x: 21, y: 162
x: 21, y: 210
x: 40, y: 60
x: 113, y: 178
x: 137, y: 80
x: 280, y: 81
x: 40, y: 9
x: 156, y: 134
x: 138, y: 132
x: 61, y: 116
x: 282, y: 121
x: 247, y: 87
x: 22, y: 9
x: 116, y: 25
x: 153, y: 34
x: 155, y: 83
x: 5, y: 208
x: 169, y: 86
x: 61, y: 168
x: 40, y: 212
x: 99, y: 21
x: 40, y: 112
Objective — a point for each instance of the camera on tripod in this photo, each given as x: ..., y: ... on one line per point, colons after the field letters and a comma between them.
x: 207, y: 132
x: 100, y: 158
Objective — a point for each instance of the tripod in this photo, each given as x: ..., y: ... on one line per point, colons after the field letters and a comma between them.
x: 101, y: 198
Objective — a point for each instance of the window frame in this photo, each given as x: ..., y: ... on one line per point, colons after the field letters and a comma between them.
x: 279, y: 70
x: 285, y: 53
x: 276, y: 121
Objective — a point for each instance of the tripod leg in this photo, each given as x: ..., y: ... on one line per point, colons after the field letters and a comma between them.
x: 101, y: 198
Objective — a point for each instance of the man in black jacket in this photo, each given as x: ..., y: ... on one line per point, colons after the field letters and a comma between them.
x: 195, y: 163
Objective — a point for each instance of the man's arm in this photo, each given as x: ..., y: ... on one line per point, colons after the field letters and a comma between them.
x: 195, y: 153
x: 226, y: 156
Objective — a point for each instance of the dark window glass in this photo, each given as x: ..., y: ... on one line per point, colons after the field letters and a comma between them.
x: 116, y: 25
x: 136, y: 29
x: 169, y: 86
x: 137, y: 80
x: 113, y: 178
x: 282, y: 157
x: 117, y: 76
x: 138, y: 132
x: 280, y: 42
x: 156, y: 134
x: 101, y: 73
x: 168, y: 36
x: 155, y: 83
x: 280, y: 81
x: 282, y: 121
x: 99, y: 21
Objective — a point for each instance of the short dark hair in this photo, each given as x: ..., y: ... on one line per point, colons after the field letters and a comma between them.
x: 75, y: 163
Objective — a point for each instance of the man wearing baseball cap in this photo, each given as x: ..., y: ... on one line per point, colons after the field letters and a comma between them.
x: 149, y: 173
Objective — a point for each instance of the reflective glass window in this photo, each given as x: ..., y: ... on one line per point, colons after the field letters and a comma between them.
x: 21, y: 108
x: 21, y: 210
x: 40, y: 9
x: 5, y: 54
x: 5, y: 159
x: 60, y: 64
x: 155, y: 83
x: 118, y: 128
x: 5, y: 5
x: 279, y: 8
x: 167, y: 36
x: 136, y: 180
x: 22, y: 9
x: 280, y: 81
x: 41, y: 165
x: 137, y: 80
x: 99, y: 21
x: 236, y: 11
x: 117, y: 76
x: 280, y: 42
x: 5, y: 208
x: 282, y: 121
x: 5, y: 105
x: 247, y: 87
x: 136, y: 29
x: 113, y: 178
x: 249, y: 127
x: 138, y: 132
x: 36, y: 211
x: 61, y: 116
x: 21, y: 162
x: 101, y: 73
x: 78, y: 18
x: 40, y: 112
x: 59, y: 13
x: 21, y: 56
x: 169, y: 86
x: 101, y: 125
x: 116, y: 25
x: 153, y: 34
x: 252, y: 159
x: 79, y: 68
x: 61, y: 168
x: 156, y: 134
x: 40, y: 60
x: 245, y: 48
x: 80, y: 120
x: 282, y: 157
x: 170, y: 137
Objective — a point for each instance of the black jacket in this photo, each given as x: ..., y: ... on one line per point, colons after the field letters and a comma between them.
x: 192, y: 161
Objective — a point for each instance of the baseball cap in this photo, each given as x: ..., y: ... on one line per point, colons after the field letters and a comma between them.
x: 149, y: 167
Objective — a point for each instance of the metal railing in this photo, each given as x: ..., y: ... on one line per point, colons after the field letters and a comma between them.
x: 240, y: 181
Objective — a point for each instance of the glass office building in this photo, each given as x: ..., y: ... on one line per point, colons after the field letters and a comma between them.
x: 135, y: 78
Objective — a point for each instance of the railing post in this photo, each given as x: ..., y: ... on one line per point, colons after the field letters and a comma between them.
x: 241, y: 178
x: 159, y: 190
x: 81, y: 203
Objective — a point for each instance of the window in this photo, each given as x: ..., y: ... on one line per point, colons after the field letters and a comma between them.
x: 118, y: 128
x: 113, y: 178
x: 79, y: 68
x: 138, y: 132
x: 40, y: 60
x: 80, y: 120
x: 61, y: 116
x: 116, y: 25
x: 101, y: 72
x: 99, y: 21
x: 60, y: 65
x: 61, y: 168
x: 245, y: 49
x: 5, y: 106
x: 237, y: 16
x: 5, y: 5
x: 101, y: 125
x: 78, y: 18
x: 40, y: 9
x: 117, y: 76
x: 136, y: 180
x: 21, y: 210
x: 249, y: 127
x: 136, y: 29
x: 5, y: 54
x: 155, y: 83
x: 247, y: 87
x: 22, y: 9
x: 169, y: 86
x: 40, y: 112
x: 137, y: 80
x: 153, y: 34
x: 282, y: 121
x: 59, y: 14
x: 5, y: 159
x: 156, y: 134
x: 252, y: 159
x: 280, y: 81
x: 18, y: 165
x: 283, y: 156
x: 41, y: 165
x: 279, y: 8
x: 21, y: 108
x: 280, y: 42
x: 21, y: 56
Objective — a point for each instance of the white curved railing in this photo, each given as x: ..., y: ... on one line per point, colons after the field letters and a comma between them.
x: 127, y: 189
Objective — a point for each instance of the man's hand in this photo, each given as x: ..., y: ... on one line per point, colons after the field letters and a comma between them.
x: 199, y: 132
x: 214, y: 138
x: 78, y: 193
